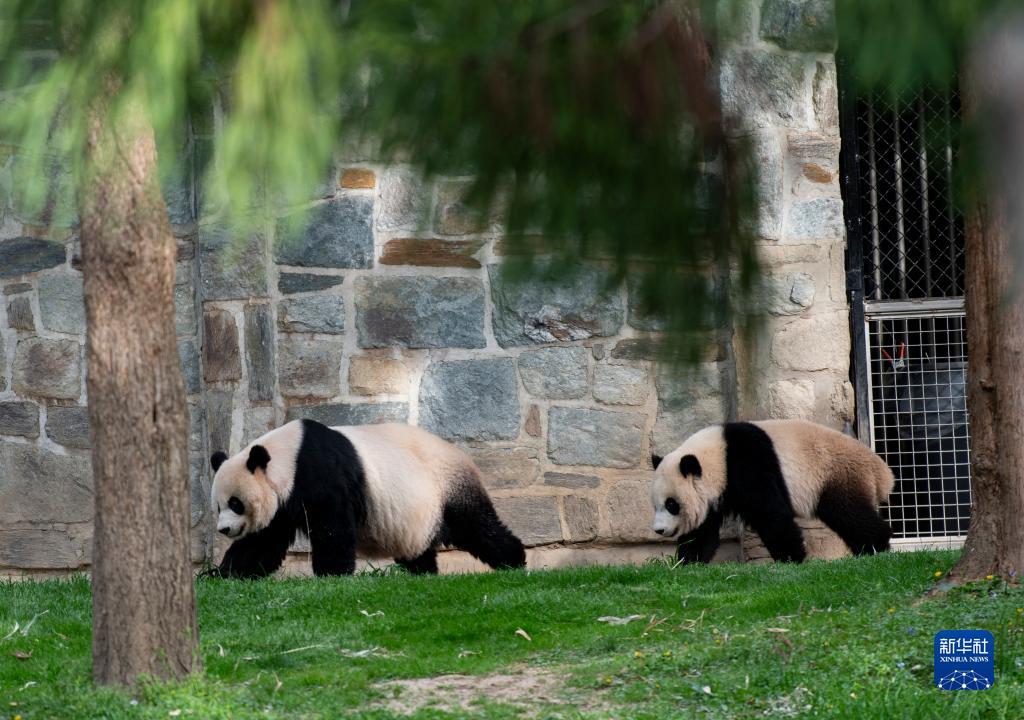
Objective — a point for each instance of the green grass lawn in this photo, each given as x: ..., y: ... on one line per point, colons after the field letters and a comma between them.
x: 828, y: 639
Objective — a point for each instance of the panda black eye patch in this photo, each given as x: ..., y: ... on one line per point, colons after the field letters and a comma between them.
x: 235, y: 505
x: 672, y: 506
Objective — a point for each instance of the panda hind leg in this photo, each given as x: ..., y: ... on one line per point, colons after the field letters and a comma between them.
x: 855, y: 519
x: 471, y: 524
x: 425, y: 564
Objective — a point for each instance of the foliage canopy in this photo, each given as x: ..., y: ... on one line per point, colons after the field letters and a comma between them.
x: 588, y: 128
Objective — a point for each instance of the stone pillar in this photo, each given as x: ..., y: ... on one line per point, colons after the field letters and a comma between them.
x: 779, y: 96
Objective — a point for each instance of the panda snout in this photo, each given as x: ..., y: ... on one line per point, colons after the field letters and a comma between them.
x: 231, y: 531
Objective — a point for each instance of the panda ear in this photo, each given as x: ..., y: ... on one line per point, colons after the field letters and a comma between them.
x: 258, y: 458
x: 656, y: 461
x: 689, y: 465
x: 217, y: 459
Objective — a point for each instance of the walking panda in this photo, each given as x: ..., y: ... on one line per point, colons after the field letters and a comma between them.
x: 375, y: 490
x: 768, y: 473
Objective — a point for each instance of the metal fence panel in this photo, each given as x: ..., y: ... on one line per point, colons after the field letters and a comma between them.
x: 920, y: 423
x: 906, y: 282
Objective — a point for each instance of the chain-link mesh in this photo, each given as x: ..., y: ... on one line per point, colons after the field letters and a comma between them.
x: 919, y: 422
x: 911, y: 239
x: 912, y: 234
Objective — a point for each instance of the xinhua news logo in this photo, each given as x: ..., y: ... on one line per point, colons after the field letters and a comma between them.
x: 964, y: 660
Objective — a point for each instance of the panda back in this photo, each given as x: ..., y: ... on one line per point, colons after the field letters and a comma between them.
x: 813, y: 457
x: 409, y: 474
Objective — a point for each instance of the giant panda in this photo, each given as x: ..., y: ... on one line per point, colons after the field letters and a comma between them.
x: 375, y: 490
x: 769, y: 473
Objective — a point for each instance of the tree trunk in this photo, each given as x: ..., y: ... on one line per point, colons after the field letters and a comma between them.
x: 993, y: 100
x: 144, y: 617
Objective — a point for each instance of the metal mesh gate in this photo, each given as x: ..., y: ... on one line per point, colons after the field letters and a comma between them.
x: 912, y: 236
x: 905, y: 277
x: 918, y: 397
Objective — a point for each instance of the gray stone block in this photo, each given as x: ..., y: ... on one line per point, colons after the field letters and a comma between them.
x: 571, y: 480
x: 621, y: 384
x: 290, y: 283
x: 177, y: 188
x: 637, y: 317
x: 19, y: 418
x: 550, y: 308
x: 184, y: 270
x: 470, y: 399
x: 199, y: 480
x: 817, y: 219
x: 403, y: 203
x: 581, y: 436
x: 48, y: 368
x: 786, y: 294
x: 769, y: 186
x: 196, y: 427
x: 221, y: 356
x: 555, y: 372
x: 231, y: 269
x: 808, y: 25
x: 534, y: 520
x: 629, y: 512
x: 335, y: 234
x: 259, y: 352
x: 62, y: 304
x: 672, y: 427
x: 826, y: 97
x: 219, y: 407
x: 41, y: 485
x: 453, y: 216
x: 420, y: 312
x: 507, y: 467
x: 337, y: 414
x: 19, y: 314
x: 581, y: 518
x: 687, y: 401
x: 68, y: 426
x: 308, y: 367
x: 23, y: 255
x: 256, y: 422
x: 43, y: 549
x: 316, y: 314
x: 188, y: 356
x: 763, y: 89
x: 678, y: 388
x: 185, y: 321
x: 821, y: 342
x: 42, y: 191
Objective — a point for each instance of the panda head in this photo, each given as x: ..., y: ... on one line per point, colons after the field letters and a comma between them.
x: 688, y: 482
x: 243, y: 495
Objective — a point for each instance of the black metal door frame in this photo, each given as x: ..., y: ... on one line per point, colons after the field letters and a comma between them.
x: 848, y: 157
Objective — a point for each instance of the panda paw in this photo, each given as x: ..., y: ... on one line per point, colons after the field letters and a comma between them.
x: 210, y: 571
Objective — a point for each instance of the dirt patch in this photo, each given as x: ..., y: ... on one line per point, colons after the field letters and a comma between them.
x: 527, y: 688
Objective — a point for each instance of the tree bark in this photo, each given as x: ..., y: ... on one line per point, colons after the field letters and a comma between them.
x: 993, y: 101
x: 144, y: 617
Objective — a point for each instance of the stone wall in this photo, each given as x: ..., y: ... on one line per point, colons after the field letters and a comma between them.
x: 387, y: 305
